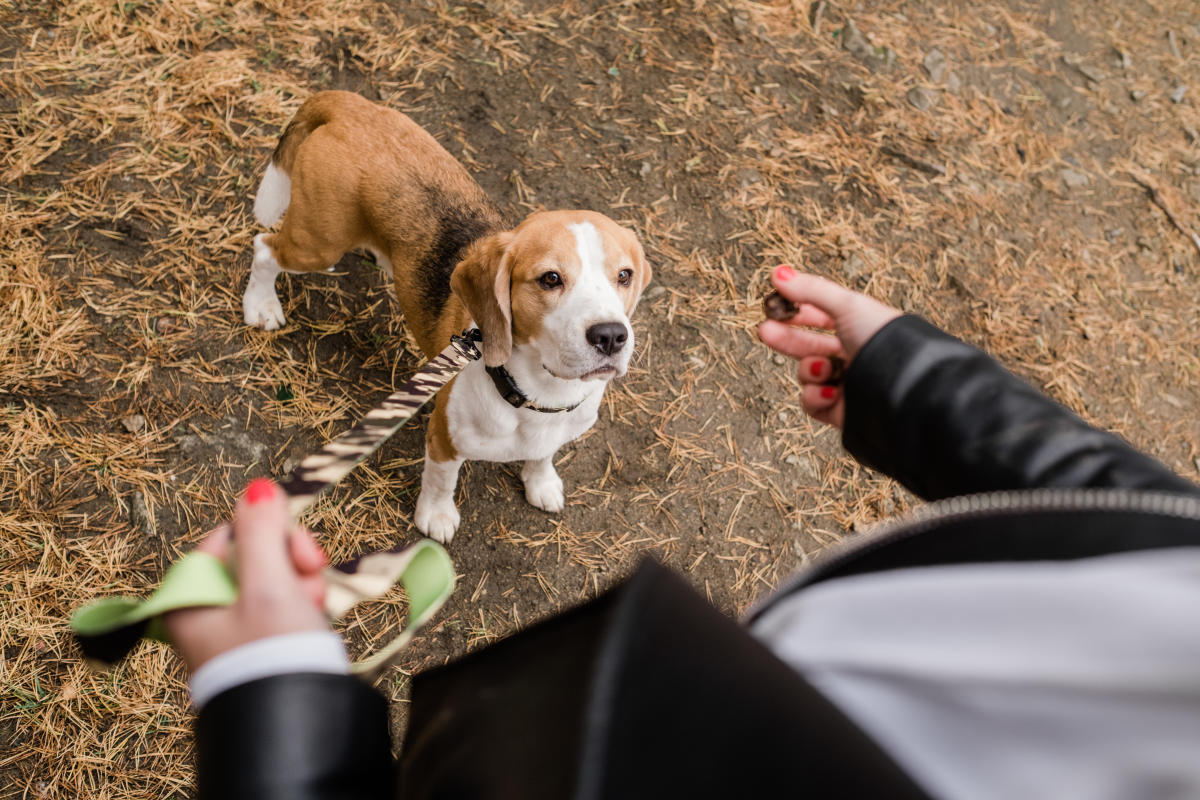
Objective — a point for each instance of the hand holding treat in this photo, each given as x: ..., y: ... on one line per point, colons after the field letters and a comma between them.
x: 802, y: 302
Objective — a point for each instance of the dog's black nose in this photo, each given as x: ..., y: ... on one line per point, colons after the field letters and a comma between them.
x: 608, y: 337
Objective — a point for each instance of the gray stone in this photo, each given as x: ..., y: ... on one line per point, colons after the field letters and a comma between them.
x: 234, y: 444
x: 1178, y: 92
x: 953, y: 82
x: 134, y: 423
x: 855, y: 43
x: 1173, y: 44
x: 935, y: 65
x: 1075, y: 179
x: 655, y: 292
x: 749, y: 177
x: 140, y: 514
x: 921, y: 98
x: 853, y: 266
x: 1138, y: 95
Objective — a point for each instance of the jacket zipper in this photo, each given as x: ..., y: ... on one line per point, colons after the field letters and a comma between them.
x: 958, y: 509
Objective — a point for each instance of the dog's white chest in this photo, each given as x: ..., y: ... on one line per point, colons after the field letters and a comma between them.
x: 483, y: 427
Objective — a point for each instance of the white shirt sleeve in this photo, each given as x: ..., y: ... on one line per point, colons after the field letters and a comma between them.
x: 1001, y: 680
x: 307, y: 651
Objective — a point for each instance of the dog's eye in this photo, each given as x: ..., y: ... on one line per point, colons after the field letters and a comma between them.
x: 550, y: 280
x: 624, y: 277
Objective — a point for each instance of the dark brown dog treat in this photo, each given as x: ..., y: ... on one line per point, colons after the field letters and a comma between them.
x: 778, y: 307
x: 837, y: 368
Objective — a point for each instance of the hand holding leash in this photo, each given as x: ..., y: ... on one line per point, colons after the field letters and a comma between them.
x: 278, y: 569
x: 808, y: 301
x: 202, y: 581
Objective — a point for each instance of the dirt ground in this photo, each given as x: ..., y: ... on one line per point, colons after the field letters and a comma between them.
x: 981, y: 164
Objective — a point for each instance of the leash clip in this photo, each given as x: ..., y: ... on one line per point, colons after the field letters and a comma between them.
x: 466, y: 343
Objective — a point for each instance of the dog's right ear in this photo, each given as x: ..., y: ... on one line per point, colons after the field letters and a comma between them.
x: 483, y: 281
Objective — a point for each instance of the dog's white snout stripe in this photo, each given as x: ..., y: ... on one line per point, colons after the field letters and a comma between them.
x: 593, y: 287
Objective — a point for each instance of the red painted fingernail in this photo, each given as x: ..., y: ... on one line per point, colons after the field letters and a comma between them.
x: 260, y: 489
x: 815, y: 368
x: 784, y: 273
x: 828, y: 392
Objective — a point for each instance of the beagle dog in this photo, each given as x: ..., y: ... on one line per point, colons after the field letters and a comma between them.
x: 552, y: 296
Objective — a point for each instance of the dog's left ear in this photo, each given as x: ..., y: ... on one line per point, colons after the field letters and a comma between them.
x: 483, y: 281
x: 641, y: 272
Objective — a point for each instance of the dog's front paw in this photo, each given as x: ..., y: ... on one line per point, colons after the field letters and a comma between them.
x: 261, y: 308
x: 545, y: 491
x: 438, y: 521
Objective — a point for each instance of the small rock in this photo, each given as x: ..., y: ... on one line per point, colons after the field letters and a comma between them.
x: 1138, y: 95
x: 1178, y: 92
x: 921, y: 98
x: 953, y: 82
x: 139, y: 514
x: 935, y: 65
x: 741, y: 21
x: 1091, y: 73
x: 1075, y: 179
x: 853, y: 266
x: 165, y: 325
x: 749, y: 177
x: 645, y: 169
x: 1173, y: 43
x: 778, y: 359
x: 134, y: 423
x: 1114, y: 234
x: 655, y: 292
x: 792, y: 459
x: 857, y: 45
x: 289, y: 465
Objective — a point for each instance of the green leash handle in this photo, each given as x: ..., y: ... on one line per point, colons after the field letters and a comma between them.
x: 107, y: 630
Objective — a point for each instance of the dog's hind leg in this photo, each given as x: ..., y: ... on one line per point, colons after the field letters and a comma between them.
x: 301, y: 245
x: 260, y: 304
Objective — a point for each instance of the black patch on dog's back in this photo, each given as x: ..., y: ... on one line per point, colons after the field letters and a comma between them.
x: 458, y: 225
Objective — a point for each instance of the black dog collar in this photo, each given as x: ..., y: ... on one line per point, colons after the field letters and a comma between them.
x: 512, y: 394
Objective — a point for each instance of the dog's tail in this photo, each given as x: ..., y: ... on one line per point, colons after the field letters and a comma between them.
x: 275, y: 191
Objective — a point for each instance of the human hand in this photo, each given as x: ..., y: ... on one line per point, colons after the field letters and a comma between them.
x: 853, y: 317
x: 278, y: 570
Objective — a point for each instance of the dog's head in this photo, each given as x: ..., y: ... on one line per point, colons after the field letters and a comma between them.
x: 561, y: 282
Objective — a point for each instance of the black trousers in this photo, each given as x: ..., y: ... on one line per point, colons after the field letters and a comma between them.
x: 646, y: 692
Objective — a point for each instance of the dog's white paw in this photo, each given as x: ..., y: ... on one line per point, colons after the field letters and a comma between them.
x: 261, y: 307
x: 438, y: 521
x: 545, y: 491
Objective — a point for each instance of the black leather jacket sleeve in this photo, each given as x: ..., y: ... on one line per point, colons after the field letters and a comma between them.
x: 945, y: 419
x: 300, y: 736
